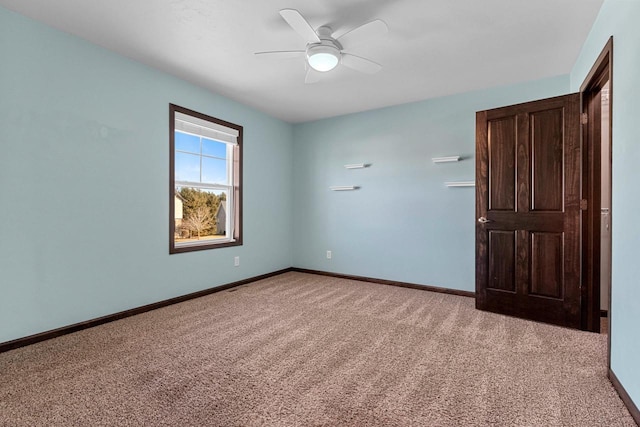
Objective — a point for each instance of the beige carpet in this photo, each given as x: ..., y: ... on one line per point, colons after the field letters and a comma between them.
x: 305, y: 350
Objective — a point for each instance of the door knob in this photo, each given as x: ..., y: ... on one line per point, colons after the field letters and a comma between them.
x: 483, y: 220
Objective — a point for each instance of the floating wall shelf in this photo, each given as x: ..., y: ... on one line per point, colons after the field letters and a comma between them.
x: 460, y: 184
x: 356, y: 166
x: 343, y: 187
x: 445, y: 159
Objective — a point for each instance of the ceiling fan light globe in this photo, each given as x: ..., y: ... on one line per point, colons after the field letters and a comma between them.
x: 323, y: 58
x: 323, y: 62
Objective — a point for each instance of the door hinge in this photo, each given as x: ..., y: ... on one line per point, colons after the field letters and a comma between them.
x: 584, y: 118
x: 583, y: 204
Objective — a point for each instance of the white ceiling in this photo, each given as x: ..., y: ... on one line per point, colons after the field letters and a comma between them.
x: 434, y: 47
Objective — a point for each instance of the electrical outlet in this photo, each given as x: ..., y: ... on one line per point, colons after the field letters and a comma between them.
x: 236, y: 261
x: 328, y: 254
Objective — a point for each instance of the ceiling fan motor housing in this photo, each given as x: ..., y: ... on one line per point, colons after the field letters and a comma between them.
x: 324, y: 56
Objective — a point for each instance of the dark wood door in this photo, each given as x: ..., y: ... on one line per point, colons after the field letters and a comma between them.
x: 528, y: 210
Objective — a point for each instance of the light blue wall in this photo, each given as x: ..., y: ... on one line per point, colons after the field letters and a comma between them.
x: 620, y: 19
x: 84, y: 177
x: 403, y: 224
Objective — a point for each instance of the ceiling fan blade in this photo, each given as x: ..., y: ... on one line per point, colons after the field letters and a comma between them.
x: 281, y: 54
x: 363, y: 33
x: 360, y: 64
x: 311, y: 76
x: 300, y: 25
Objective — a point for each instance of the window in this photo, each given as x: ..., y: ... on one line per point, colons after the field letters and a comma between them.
x: 205, y: 205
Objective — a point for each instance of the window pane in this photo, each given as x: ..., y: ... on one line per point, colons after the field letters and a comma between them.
x: 186, y: 142
x: 187, y: 167
x: 214, y: 170
x: 200, y: 215
x: 214, y: 148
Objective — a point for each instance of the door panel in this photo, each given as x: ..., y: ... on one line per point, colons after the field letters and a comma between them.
x: 502, y: 158
x: 527, y: 188
x: 546, y: 159
x: 502, y: 268
x: 546, y: 270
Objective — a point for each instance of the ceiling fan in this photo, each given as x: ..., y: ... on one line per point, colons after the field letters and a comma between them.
x: 324, y: 52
